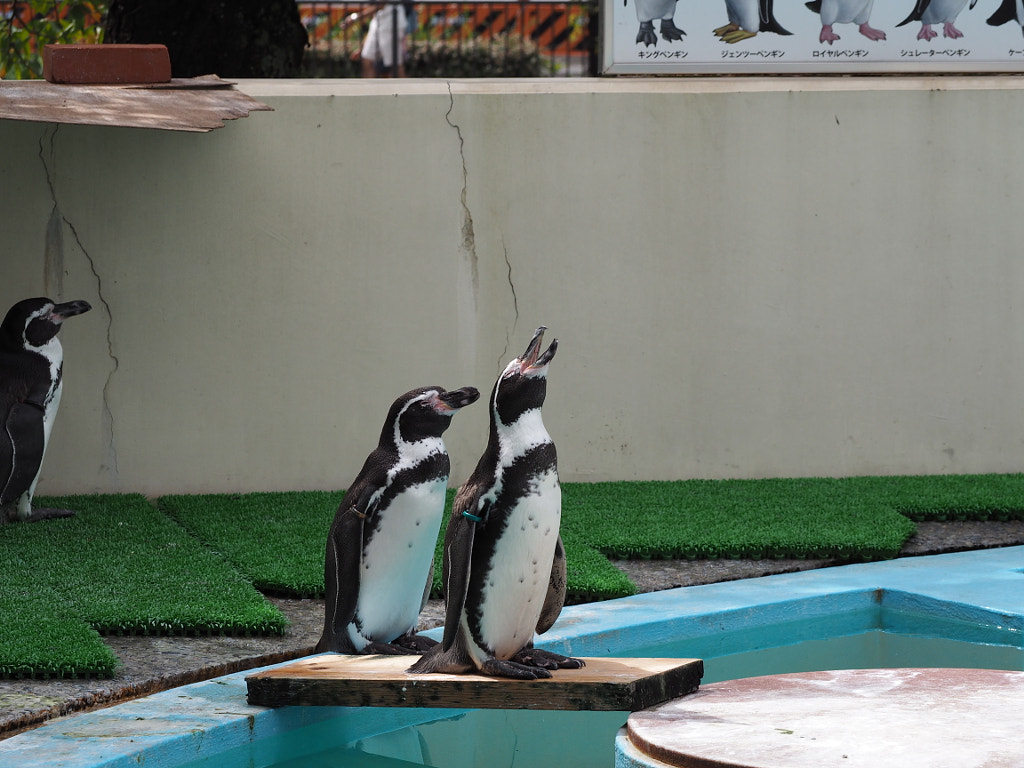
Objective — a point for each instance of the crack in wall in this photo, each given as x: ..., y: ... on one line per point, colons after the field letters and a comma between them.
x: 515, y: 305
x: 53, y: 275
x: 468, y: 244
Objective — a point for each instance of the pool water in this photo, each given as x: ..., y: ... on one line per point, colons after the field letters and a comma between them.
x: 507, y: 738
x: 956, y: 610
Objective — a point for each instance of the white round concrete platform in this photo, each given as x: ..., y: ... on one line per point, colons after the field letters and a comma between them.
x: 861, y: 718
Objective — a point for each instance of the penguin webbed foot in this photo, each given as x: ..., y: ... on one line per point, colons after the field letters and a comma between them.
x: 415, y: 643
x: 670, y: 31
x: 535, y: 657
x: 437, y: 661
x: 388, y: 649
x: 870, y: 32
x: 646, y: 34
x: 513, y: 669
x: 42, y: 513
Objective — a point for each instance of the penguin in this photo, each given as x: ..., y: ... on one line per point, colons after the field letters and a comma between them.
x: 380, y: 548
x: 504, y: 565
x: 649, y: 10
x: 943, y: 12
x: 1008, y: 10
x: 844, y: 12
x: 747, y: 18
x: 31, y: 370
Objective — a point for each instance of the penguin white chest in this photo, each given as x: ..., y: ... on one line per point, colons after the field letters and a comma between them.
x: 745, y: 13
x: 942, y: 11
x: 517, y: 580
x: 396, y: 561
x: 846, y: 11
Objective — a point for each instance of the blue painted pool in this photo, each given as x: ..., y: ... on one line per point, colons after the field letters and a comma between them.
x: 964, y: 610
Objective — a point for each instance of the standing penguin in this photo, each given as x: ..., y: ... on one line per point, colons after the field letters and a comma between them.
x: 380, y: 550
x: 844, y: 12
x: 1008, y: 10
x: 942, y: 12
x: 649, y: 10
x: 504, y: 566
x: 747, y: 18
x: 31, y: 368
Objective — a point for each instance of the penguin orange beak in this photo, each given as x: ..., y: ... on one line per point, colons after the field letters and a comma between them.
x: 532, y: 359
x: 460, y: 398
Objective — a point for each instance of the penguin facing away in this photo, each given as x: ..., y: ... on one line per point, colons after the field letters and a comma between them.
x: 942, y: 12
x: 378, y: 565
x: 1008, y: 10
x: 747, y: 18
x: 844, y: 12
x: 504, y: 565
x: 31, y: 371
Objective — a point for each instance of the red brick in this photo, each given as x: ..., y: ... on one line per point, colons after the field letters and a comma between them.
x: 106, y: 64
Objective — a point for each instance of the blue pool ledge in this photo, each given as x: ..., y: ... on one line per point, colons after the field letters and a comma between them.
x: 973, y: 596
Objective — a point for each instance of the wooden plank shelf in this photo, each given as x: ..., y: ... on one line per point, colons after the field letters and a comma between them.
x: 625, y: 685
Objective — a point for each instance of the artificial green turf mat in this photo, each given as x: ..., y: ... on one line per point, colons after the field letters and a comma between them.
x: 118, y: 566
x: 121, y: 566
x: 276, y: 539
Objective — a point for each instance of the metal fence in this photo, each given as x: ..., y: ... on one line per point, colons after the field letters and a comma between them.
x: 481, y: 39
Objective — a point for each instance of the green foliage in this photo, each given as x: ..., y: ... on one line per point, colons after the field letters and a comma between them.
x: 32, y: 24
x: 501, y: 56
x: 118, y: 566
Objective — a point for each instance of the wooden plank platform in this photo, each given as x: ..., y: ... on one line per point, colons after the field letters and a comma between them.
x: 624, y: 685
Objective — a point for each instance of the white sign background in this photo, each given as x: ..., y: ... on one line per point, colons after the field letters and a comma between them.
x: 982, y: 48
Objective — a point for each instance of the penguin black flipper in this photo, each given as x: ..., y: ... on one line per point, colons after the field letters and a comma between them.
x: 1004, y: 13
x: 467, y: 512
x: 814, y: 5
x: 555, y: 598
x: 768, y: 20
x: 915, y: 15
x: 21, y: 448
x: 341, y: 563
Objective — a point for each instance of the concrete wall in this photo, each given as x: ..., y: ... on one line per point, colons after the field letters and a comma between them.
x: 748, y: 277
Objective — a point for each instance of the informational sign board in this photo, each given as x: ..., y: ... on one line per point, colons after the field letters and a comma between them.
x: 817, y: 37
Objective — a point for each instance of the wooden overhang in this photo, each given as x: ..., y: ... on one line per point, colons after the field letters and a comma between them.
x: 197, y: 104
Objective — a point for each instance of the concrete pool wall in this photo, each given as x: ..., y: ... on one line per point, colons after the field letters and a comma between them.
x: 975, y: 596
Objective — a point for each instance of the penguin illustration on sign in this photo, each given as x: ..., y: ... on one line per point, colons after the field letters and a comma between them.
x: 649, y: 10
x: 747, y: 18
x: 844, y: 12
x: 942, y: 12
x: 504, y: 566
x: 31, y: 382
x: 379, y: 563
x: 1008, y: 10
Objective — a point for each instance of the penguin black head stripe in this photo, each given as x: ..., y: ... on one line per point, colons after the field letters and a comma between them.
x: 378, y: 567
x: 504, y: 564
x: 523, y: 384
x: 31, y: 370
x: 425, y: 412
x: 31, y: 323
